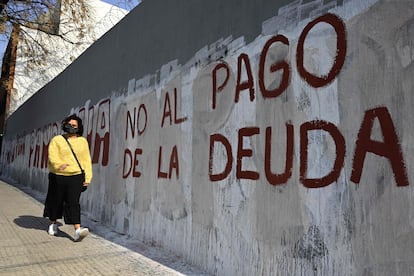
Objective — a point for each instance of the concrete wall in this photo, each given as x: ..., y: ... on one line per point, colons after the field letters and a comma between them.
x: 251, y: 137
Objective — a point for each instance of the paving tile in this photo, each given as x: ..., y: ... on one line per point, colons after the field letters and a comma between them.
x: 27, y: 249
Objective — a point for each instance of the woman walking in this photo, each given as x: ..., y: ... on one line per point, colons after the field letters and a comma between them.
x: 70, y: 172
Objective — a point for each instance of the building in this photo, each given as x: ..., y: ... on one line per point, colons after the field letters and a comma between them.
x: 32, y: 71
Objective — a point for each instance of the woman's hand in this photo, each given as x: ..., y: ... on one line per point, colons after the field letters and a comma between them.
x: 63, y: 167
x: 85, y: 184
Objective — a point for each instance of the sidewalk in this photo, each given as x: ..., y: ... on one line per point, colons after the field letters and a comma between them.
x: 27, y: 249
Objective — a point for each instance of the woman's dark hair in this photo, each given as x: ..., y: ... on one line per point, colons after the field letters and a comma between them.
x: 74, y: 117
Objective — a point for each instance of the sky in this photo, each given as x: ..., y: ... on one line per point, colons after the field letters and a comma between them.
x: 124, y: 4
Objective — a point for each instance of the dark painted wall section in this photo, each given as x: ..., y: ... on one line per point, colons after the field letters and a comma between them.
x: 153, y: 34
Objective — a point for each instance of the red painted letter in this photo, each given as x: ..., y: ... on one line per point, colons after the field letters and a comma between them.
x: 340, y: 153
x: 167, y: 109
x: 160, y: 173
x: 241, y: 152
x: 248, y: 84
x: 282, y: 65
x: 219, y: 88
x: 135, y: 172
x: 227, y: 146
x: 177, y: 120
x: 174, y: 163
x: 102, y: 133
x: 389, y: 148
x: 277, y: 179
x: 339, y: 27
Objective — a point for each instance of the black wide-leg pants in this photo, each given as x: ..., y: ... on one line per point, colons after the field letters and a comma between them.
x: 63, y: 198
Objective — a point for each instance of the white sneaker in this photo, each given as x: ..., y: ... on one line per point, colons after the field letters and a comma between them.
x: 53, y: 230
x: 80, y: 234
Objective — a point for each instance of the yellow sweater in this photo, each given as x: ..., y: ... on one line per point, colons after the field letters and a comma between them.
x: 60, y: 154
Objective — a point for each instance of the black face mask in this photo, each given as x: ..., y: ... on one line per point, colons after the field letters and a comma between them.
x: 70, y: 129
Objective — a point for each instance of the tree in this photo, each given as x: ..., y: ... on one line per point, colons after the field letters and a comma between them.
x: 42, y: 15
x: 17, y: 18
x: 38, y: 29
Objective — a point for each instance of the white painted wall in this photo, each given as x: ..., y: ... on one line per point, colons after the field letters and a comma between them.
x: 353, y: 225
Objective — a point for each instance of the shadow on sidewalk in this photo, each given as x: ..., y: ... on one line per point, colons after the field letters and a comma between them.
x: 38, y: 223
x: 149, y: 250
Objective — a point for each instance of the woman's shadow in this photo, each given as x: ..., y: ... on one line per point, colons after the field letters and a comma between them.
x: 38, y: 223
